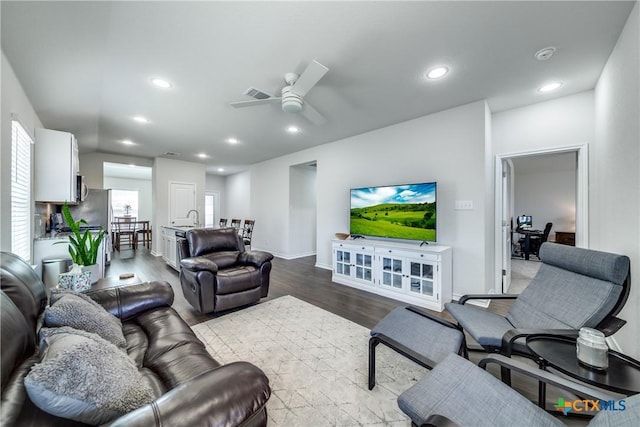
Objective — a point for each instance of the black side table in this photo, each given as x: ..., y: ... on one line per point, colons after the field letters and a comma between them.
x: 622, y: 375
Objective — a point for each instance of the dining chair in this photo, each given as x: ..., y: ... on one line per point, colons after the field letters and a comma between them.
x: 247, y: 231
x: 236, y: 223
x: 125, y: 232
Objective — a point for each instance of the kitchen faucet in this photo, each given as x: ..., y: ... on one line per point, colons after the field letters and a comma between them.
x: 197, y: 216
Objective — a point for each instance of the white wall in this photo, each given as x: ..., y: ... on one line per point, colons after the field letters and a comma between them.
x: 92, y: 166
x: 302, y: 213
x: 237, y: 200
x: 14, y: 103
x: 447, y: 147
x: 614, y: 204
x: 546, y: 190
x: 143, y: 186
x: 562, y: 122
x: 165, y: 171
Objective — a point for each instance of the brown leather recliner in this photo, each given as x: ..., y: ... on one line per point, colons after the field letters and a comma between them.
x: 217, y: 273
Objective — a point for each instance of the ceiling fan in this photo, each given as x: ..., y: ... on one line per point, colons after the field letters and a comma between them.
x: 292, y: 96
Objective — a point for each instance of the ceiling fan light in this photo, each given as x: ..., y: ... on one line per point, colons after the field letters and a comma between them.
x: 291, y: 105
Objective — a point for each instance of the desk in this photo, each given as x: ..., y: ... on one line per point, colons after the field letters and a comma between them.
x: 144, y: 229
x: 622, y: 375
x: 566, y: 238
x: 527, y: 240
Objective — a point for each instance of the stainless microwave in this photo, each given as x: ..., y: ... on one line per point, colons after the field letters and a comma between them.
x: 81, y: 189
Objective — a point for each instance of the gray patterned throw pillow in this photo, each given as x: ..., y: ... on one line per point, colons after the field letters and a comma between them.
x: 68, y: 308
x: 84, y: 378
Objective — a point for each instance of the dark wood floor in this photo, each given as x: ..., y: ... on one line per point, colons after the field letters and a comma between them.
x: 298, y: 278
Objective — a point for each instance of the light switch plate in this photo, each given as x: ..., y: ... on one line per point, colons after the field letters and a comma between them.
x: 464, y: 205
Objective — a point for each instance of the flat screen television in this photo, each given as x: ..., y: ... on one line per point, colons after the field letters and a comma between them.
x: 395, y: 211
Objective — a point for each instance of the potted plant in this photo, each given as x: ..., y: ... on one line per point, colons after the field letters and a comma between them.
x: 127, y: 209
x: 83, y: 249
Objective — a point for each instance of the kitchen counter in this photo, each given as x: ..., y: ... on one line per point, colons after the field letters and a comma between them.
x: 179, y: 227
x: 56, y: 245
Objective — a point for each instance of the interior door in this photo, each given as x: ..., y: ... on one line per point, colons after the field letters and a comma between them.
x: 507, y: 226
x: 182, y: 198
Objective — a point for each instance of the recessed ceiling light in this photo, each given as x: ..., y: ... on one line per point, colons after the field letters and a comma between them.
x: 141, y: 119
x: 161, y: 83
x: 293, y: 129
x: 546, y: 53
x: 202, y: 155
x: 232, y: 140
x: 549, y: 87
x: 220, y: 169
x: 437, y: 72
x: 127, y: 142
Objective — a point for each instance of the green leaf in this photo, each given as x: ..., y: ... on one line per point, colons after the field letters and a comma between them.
x: 83, y: 248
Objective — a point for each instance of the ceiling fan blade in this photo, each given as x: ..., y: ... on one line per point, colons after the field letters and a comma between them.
x: 313, y: 115
x: 240, y: 104
x: 308, y: 79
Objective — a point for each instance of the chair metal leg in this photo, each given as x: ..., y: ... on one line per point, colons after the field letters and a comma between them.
x: 373, y: 342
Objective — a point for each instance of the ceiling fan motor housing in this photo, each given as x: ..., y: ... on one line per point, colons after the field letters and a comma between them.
x: 291, y: 102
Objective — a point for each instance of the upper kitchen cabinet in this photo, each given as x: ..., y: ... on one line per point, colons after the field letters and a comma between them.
x: 56, y: 167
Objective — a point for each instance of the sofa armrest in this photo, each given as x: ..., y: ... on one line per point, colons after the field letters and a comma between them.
x: 126, y: 302
x: 226, y: 396
x: 199, y: 263
x: 255, y: 258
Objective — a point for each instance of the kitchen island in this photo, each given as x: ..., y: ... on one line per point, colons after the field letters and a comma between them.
x: 170, y: 236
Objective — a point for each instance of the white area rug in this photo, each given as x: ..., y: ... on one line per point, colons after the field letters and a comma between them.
x: 316, y: 363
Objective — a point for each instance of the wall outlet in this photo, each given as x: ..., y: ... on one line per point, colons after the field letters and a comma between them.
x: 464, y: 205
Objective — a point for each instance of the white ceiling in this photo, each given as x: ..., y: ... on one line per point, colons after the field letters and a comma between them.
x: 86, y: 66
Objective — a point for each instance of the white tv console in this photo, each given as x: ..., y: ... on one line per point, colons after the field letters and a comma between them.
x: 419, y: 275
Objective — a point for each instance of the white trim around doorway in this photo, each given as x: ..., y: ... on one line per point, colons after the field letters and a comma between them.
x: 582, y: 200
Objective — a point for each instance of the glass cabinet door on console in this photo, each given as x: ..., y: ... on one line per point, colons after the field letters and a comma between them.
x: 354, y: 262
x: 364, y: 266
x: 392, y: 272
x: 343, y: 262
x: 422, y: 278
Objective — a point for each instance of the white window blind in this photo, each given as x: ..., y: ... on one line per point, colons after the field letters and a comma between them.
x: 20, y: 191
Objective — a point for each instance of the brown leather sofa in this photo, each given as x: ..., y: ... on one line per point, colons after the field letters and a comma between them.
x: 217, y: 273
x: 190, y: 387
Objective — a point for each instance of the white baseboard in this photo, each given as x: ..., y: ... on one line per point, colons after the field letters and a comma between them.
x: 290, y: 256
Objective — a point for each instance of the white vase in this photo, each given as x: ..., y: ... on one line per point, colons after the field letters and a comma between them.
x: 94, y: 270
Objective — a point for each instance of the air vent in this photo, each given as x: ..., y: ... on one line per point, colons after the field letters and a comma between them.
x: 171, y: 153
x: 256, y: 93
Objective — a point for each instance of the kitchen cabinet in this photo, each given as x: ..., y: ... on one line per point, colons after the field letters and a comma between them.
x: 402, y: 271
x: 170, y: 249
x: 56, y: 166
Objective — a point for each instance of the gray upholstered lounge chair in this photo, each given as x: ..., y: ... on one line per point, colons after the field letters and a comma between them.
x: 573, y: 288
x: 457, y: 392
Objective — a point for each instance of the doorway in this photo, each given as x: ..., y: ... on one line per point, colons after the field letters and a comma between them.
x: 525, y: 181
x: 302, y: 209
